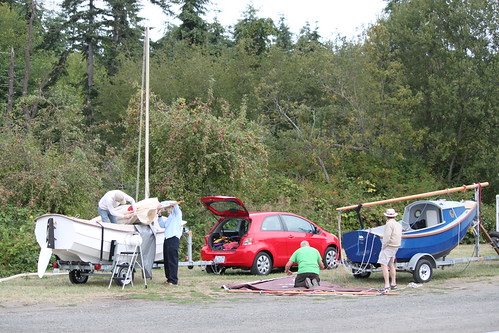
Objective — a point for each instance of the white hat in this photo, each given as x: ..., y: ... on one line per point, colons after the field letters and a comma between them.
x: 390, y: 212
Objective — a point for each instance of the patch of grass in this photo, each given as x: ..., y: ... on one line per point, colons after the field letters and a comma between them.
x: 195, y: 285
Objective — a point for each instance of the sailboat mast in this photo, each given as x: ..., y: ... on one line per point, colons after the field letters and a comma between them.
x: 146, y: 150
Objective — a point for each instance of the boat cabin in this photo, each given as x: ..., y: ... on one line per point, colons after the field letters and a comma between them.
x: 420, y: 215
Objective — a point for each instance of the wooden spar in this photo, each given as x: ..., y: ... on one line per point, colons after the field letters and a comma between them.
x: 310, y: 292
x: 415, y: 196
x: 146, y: 145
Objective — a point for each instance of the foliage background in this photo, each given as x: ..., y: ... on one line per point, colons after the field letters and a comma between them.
x: 286, y: 123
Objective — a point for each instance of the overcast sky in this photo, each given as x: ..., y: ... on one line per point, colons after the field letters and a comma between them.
x: 346, y: 17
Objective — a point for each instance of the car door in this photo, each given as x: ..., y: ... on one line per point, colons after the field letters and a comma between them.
x: 299, y: 229
x: 273, y: 234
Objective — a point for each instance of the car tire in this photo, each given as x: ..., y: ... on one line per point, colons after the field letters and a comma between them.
x: 331, y: 258
x: 262, y: 265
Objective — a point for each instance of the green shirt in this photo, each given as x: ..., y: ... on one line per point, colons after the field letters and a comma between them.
x: 307, y: 259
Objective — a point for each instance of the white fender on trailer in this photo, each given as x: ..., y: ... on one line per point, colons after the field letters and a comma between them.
x: 415, y: 259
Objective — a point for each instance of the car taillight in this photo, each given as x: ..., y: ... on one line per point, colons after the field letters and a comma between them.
x: 55, y: 265
x: 97, y: 267
x: 248, y: 241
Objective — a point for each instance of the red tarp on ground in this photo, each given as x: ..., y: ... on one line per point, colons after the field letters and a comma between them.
x: 285, y: 286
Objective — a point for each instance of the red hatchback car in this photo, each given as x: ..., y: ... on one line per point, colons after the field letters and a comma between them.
x: 260, y: 241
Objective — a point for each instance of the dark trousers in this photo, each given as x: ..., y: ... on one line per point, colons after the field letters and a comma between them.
x: 300, y: 278
x: 170, y: 258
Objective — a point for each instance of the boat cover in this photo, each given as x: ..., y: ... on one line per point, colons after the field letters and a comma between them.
x: 148, y: 247
x: 285, y: 286
x: 146, y: 212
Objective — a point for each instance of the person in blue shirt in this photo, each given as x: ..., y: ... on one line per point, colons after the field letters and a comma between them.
x: 173, y: 231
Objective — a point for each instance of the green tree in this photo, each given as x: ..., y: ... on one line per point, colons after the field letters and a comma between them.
x: 52, y: 166
x: 449, y: 53
x: 195, y: 153
x: 193, y: 29
x: 284, y: 37
x: 254, y: 33
x: 308, y: 39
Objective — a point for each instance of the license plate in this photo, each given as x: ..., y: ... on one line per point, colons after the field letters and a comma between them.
x: 219, y: 259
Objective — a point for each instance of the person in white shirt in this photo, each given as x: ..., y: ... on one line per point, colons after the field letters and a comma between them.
x: 109, y: 206
x: 173, y: 232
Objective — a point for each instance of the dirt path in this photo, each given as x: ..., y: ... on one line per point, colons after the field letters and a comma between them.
x: 455, y: 306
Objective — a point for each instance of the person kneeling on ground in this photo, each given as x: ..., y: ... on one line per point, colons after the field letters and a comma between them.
x: 309, y: 265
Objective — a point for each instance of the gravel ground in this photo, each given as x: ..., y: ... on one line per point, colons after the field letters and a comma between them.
x: 469, y: 306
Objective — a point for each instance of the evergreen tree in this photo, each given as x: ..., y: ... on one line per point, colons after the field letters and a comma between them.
x: 284, y: 36
x: 254, y: 33
x: 193, y: 29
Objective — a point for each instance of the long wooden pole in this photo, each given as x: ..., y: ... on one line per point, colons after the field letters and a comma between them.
x: 415, y: 196
x: 146, y: 145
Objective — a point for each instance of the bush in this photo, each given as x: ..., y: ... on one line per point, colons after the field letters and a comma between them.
x: 17, y: 241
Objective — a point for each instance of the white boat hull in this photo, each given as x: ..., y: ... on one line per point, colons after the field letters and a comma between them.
x: 89, y: 240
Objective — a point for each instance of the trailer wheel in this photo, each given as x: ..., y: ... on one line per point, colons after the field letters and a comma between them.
x: 121, y: 276
x: 423, y: 271
x: 76, y: 277
x: 360, y: 274
x: 495, y: 240
x: 215, y: 269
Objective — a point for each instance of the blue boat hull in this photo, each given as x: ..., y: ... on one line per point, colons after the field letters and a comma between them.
x: 363, y: 246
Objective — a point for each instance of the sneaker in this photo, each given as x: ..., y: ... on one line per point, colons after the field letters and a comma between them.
x: 308, y: 283
x: 315, y: 283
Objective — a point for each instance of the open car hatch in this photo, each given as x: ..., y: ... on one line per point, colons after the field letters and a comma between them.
x: 225, y: 206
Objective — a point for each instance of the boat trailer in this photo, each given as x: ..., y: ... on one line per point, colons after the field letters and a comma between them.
x: 421, y: 265
x: 79, y: 271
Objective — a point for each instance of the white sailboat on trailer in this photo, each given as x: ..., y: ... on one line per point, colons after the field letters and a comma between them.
x: 85, y: 246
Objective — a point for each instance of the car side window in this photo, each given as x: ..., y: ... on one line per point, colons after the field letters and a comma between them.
x: 271, y: 223
x: 296, y: 224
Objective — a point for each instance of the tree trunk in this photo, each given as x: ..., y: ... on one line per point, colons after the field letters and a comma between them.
x: 27, y: 57
x: 10, y: 97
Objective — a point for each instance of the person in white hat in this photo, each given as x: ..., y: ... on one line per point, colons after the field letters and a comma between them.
x: 392, y: 240
x: 109, y: 203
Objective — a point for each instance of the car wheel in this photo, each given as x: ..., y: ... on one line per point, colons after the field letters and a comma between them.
x: 262, y: 265
x: 76, y: 277
x: 331, y: 258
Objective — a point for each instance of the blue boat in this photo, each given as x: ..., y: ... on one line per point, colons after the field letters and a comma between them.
x: 429, y: 226
x: 430, y: 230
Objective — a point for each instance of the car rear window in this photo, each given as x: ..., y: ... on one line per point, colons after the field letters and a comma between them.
x: 271, y: 223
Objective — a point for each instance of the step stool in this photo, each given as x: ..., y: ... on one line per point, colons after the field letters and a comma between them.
x: 127, y: 260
